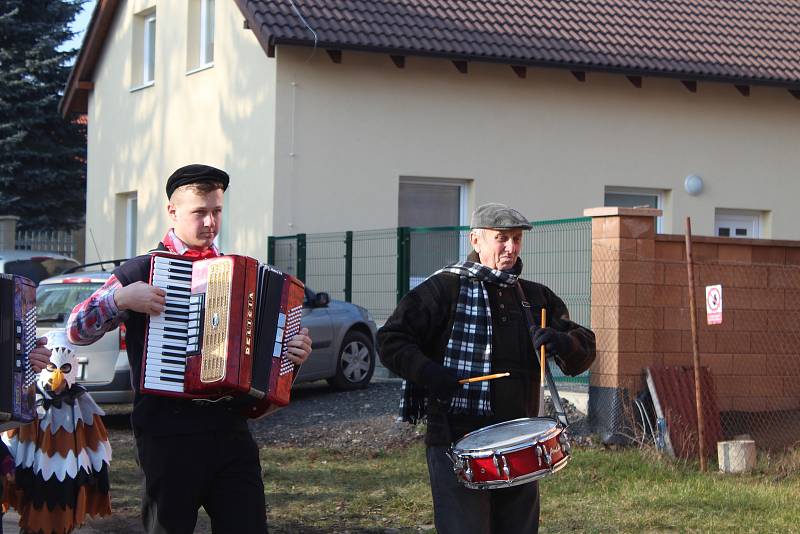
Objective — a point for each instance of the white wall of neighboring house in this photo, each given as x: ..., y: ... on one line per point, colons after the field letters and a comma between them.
x: 313, y: 146
x: 223, y: 116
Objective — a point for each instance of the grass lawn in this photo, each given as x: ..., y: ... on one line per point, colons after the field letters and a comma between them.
x: 315, y: 490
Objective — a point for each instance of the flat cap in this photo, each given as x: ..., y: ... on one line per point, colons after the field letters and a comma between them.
x: 194, y: 173
x: 494, y: 215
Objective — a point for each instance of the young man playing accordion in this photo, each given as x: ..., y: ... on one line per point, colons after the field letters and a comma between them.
x: 192, y: 454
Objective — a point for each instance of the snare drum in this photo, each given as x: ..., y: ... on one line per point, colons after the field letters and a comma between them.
x: 510, y: 453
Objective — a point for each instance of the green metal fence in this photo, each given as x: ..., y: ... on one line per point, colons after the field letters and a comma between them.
x: 376, y: 268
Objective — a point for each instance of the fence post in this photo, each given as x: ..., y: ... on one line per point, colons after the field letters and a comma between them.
x: 348, y: 266
x: 8, y: 231
x: 301, y: 257
x: 403, y: 261
x: 271, y: 250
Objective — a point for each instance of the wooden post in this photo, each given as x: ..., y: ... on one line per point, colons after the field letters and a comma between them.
x: 695, y: 346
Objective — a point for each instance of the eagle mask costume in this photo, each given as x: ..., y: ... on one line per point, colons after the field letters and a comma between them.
x: 62, y: 456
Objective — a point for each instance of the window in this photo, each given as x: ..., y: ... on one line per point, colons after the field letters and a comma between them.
x: 144, y: 49
x: 126, y: 225
x: 431, y: 203
x: 200, y: 45
x: 737, y: 223
x: 149, y: 53
x: 636, y: 197
x: 54, y: 302
x: 131, y: 216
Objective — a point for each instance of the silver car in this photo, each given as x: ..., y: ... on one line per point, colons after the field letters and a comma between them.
x: 343, y: 337
x: 102, y: 366
x: 34, y: 264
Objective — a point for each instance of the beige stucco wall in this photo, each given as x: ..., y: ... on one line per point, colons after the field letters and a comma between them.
x: 314, y: 146
x: 547, y: 144
x: 223, y: 116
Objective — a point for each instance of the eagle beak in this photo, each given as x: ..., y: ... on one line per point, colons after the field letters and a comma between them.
x: 56, y: 381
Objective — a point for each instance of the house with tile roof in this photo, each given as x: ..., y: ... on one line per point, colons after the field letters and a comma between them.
x: 336, y: 115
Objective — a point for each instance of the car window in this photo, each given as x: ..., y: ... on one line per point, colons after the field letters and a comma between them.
x: 39, y: 268
x: 54, y: 302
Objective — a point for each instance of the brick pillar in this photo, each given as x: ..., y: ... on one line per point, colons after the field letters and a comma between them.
x: 8, y: 231
x: 624, y: 275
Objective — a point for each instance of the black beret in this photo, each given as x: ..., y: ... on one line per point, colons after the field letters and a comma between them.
x: 194, y: 173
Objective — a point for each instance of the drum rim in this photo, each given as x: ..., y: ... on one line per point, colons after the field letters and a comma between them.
x: 483, y: 453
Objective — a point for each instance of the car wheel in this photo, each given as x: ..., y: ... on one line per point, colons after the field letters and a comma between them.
x: 355, y: 362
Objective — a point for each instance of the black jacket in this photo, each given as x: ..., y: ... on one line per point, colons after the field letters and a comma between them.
x: 420, y: 327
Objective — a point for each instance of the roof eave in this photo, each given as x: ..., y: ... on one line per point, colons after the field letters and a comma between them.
x: 79, y: 83
x: 735, y: 80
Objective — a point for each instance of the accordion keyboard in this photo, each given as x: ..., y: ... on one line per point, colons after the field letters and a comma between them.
x: 168, y: 333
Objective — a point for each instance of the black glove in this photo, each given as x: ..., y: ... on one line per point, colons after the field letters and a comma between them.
x: 440, y: 381
x: 554, y: 341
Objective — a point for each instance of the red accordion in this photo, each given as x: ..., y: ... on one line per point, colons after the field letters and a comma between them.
x: 223, y: 333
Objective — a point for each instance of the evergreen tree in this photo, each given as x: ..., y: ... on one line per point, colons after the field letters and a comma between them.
x: 42, y: 155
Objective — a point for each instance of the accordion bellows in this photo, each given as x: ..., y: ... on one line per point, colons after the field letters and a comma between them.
x: 62, y: 460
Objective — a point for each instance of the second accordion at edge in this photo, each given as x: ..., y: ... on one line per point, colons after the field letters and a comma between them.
x: 224, y: 331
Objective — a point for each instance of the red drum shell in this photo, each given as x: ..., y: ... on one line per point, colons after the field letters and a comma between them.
x: 488, y: 458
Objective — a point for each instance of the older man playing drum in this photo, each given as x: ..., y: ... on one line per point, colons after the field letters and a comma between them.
x: 468, y: 320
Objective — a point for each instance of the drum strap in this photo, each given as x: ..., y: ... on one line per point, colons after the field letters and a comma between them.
x: 561, y: 415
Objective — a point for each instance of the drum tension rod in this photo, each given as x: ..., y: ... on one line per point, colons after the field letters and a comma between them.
x: 504, y: 471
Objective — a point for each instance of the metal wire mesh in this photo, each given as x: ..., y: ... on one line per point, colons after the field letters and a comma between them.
x: 325, y: 263
x: 750, y: 363
x: 754, y: 355
x: 433, y: 248
x: 558, y: 254
x: 285, y: 257
x: 382, y: 265
x: 375, y: 272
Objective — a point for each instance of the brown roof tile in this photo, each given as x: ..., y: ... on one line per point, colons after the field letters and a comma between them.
x: 753, y: 41
x: 737, y: 41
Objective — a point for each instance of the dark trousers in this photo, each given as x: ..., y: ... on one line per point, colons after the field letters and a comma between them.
x: 219, y: 471
x: 460, y: 510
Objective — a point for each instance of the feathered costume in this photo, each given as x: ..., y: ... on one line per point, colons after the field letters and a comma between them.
x: 62, y: 457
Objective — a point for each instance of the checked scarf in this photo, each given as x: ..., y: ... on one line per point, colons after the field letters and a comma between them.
x: 469, y: 349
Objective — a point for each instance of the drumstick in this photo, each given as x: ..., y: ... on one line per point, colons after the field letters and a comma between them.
x: 543, y: 361
x: 482, y: 378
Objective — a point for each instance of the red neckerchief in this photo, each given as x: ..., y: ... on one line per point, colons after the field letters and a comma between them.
x: 176, y: 246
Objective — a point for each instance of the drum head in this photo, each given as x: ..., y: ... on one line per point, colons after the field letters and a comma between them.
x: 507, y: 434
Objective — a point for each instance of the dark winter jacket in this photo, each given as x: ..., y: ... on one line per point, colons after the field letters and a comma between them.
x: 420, y: 327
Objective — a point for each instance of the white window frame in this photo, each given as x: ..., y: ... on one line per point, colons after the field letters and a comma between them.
x: 131, y: 222
x: 148, y: 50
x: 205, y: 38
x: 750, y: 218
x: 642, y: 191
